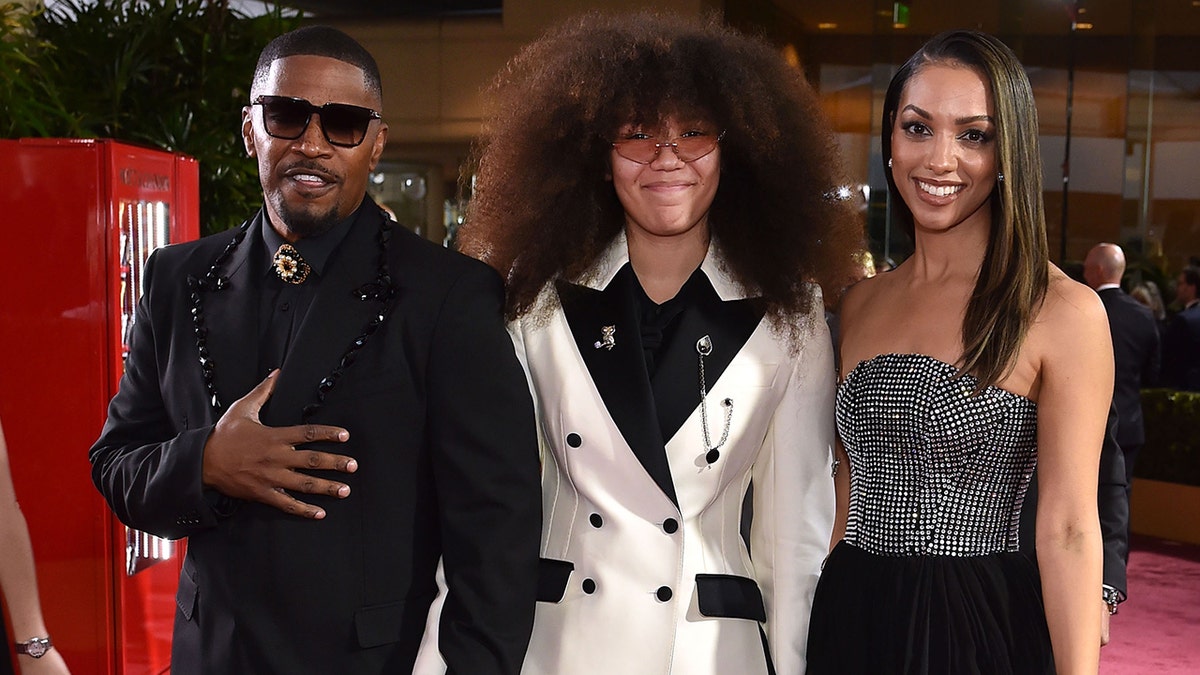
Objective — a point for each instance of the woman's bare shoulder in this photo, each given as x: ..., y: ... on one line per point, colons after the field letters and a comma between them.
x: 863, y: 294
x: 1071, y: 316
x: 1068, y: 301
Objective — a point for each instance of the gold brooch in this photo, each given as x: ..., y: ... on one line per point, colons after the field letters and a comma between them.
x: 289, y: 266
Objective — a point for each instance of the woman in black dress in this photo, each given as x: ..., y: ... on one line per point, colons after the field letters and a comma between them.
x: 970, y: 363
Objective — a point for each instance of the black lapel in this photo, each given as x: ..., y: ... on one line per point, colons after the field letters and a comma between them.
x: 335, y: 319
x: 676, y: 383
x: 230, y: 315
x: 619, y: 373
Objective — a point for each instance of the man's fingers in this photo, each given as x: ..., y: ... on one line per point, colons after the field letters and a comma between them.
x: 318, y: 486
x: 289, y: 504
x: 312, y: 459
x: 313, y: 433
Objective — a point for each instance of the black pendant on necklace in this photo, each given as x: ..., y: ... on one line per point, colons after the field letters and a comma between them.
x: 379, y: 290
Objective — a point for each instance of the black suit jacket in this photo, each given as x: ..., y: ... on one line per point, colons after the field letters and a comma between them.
x: 1112, y: 502
x: 1181, y: 350
x: 440, y: 421
x: 1136, y: 353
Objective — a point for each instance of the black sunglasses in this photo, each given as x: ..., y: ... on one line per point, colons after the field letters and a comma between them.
x: 344, y: 125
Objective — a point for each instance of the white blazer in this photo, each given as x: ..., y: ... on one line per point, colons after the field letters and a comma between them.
x: 636, y: 579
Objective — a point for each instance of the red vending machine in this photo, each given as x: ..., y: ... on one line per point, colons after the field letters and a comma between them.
x: 77, y: 220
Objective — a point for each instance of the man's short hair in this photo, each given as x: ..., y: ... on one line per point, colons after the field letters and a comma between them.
x: 1191, y: 275
x: 320, y: 41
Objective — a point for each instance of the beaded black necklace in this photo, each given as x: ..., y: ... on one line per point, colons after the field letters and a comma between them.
x: 380, y: 290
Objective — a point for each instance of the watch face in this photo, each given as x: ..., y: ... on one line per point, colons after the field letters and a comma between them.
x: 36, y: 648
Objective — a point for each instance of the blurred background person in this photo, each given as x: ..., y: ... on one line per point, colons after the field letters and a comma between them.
x: 35, y: 650
x: 1136, y: 347
x: 1136, y: 360
x: 1148, y: 294
x: 1181, y: 344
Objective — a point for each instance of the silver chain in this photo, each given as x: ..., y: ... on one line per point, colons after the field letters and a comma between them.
x: 704, y: 348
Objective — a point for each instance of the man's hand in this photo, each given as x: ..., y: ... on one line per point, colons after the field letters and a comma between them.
x: 247, y: 460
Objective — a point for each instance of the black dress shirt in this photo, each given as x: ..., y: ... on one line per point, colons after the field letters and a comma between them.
x: 284, y: 306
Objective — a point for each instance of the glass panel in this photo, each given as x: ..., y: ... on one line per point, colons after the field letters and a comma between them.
x: 144, y: 226
x: 409, y: 192
x: 143, y: 550
x: 849, y: 102
x: 1096, y: 133
x: 1172, y: 191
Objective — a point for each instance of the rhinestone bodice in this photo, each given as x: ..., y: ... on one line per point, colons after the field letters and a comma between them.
x: 934, y: 470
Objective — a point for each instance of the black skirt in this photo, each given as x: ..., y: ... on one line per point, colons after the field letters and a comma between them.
x: 928, y: 615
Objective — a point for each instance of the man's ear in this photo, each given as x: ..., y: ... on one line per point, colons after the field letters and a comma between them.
x: 248, y: 130
x: 379, y: 143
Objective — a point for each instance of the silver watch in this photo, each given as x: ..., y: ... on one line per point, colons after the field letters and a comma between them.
x: 35, y: 647
x: 1112, y: 598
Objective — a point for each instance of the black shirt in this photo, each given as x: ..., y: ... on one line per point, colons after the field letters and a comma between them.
x: 284, y: 306
x: 658, y: 322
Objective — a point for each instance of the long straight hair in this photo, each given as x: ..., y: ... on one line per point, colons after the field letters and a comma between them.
x: 1015, y: 272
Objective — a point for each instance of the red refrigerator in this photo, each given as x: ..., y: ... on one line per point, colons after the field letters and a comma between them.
x: 77, y: 220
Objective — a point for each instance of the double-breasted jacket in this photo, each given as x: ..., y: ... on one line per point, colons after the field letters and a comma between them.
x: 644, y: 568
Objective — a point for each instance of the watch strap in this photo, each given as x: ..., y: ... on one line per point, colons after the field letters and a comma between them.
x: 35, y: 647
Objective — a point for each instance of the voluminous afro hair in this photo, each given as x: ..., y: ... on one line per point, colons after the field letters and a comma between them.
x: 543, y: 206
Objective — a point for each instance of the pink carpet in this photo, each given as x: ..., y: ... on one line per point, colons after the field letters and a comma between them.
x: 1158, y: 629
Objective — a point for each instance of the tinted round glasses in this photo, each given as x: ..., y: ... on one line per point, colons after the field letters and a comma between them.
x: 689, y: 147
x: 344, y: 125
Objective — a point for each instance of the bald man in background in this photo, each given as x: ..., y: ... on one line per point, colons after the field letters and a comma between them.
x: 1136, y: 348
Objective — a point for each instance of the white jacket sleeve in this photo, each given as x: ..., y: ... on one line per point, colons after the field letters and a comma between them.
x: 794, y: 497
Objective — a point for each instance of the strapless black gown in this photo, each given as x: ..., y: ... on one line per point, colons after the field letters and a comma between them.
x: 928, y: 579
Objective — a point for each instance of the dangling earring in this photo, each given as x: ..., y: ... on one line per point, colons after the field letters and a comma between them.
x: 1000, y: 178
x: 889, y: 162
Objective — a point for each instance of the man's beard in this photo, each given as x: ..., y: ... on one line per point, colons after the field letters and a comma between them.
x: 305, y: 223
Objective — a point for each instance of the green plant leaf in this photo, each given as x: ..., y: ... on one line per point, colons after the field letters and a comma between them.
x: 171, y: 74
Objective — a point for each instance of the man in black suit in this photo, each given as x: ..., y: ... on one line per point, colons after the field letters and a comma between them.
x: 394, y: 425
x: 1135, y: 346
x: 1181, y: 344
